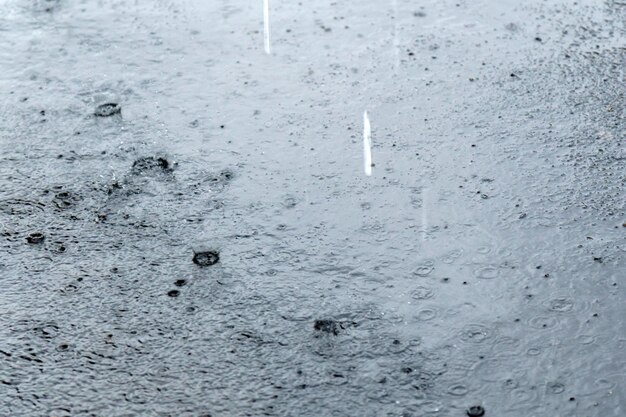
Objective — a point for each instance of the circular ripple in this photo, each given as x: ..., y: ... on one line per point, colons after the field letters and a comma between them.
x: 561, y: 305
x: 585, y: 339
x: 484, y: 250
x: 522, y: 397
x: 18, y: 206
x: 543, y: 322
x: 424, y: 269
x: 451, y: 256
x: 139, y: 395
x: 458, y: 390
x: 533, y: 351
x: 475, y: 333
x: 487, y: 272
x: 555, y: 388
x: 426, y: 314
x: 431, y: 407
x: 422, y: 293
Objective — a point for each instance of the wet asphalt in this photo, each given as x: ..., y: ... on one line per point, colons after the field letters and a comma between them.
x: 186, y: 228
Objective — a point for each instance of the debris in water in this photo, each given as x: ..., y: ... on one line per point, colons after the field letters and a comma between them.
x: 266, y: 25
x: 367, y: 144
x: 207, y: 258
x: 107, y: 109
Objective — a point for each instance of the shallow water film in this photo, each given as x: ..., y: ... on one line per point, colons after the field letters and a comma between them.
x: 187, y: 227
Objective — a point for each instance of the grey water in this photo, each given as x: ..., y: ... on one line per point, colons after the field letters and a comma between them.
x: 207, y: 243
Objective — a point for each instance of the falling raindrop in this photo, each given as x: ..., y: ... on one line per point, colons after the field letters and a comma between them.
x: 367, y: 144
x: 266, y: 26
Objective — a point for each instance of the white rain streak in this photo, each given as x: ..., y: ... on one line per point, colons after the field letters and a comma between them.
x: 396, y: 40
x: 367, y: 144
x: 425, y: 204
x: 266, y: 25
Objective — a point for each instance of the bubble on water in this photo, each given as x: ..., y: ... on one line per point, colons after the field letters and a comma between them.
x: 487, y: 272
x: 475, y: 411
x: 35, y: 238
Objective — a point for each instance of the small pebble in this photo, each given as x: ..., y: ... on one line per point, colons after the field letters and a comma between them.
x: 173, y: 293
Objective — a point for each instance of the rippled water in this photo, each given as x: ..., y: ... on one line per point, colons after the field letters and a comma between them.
x: 482, y: 263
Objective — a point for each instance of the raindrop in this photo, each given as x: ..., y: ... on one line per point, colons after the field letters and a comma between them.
x: 426, y: 314
x: 561, y: 305
x: 458, y: 390
x: 586, y: 339
x: 533, y: 351
x: 543, y: 322
x: 475, y: 333
x: 422, y: 293
x: 424, y: 269
x: 555, y: 387
x: 487, y: 272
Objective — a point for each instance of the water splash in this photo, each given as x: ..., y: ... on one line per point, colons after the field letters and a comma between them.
x: 266, y: 25
x: 367, y: 144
